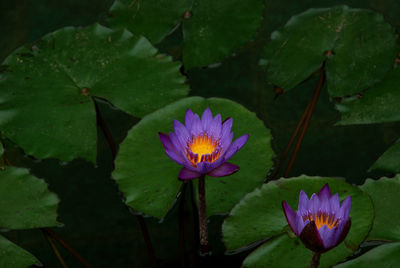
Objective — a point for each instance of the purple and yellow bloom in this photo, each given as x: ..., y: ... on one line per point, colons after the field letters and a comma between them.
x: 202, y: 146
x: 320, y: 222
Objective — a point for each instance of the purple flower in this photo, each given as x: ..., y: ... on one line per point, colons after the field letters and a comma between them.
x: 320, y: 222
x: 202, y: 146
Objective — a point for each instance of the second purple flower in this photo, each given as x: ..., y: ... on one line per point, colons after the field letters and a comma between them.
x: 202, y: 146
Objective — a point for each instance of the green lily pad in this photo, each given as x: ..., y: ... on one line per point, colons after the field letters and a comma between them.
x: 47, y: 88
x: 389, y: 161
x: 154, y: 19
x: 25, y: 201
x: 13, y: 256
x: 387, y: 255
x: 149, y: 179
x: 259, y: 215
x: 379, y: 104
x: 212, y: 30
x: 283, y: 251
x: 385, y: 196
x: 362, y: 48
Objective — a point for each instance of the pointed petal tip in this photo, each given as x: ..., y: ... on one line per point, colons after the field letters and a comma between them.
x: 223, y: 170
x: 325, y: 192
x: 187, y: 174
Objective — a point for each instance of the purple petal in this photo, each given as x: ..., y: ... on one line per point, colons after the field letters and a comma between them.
x: 236, y: 146
x: 177, y: 142
x: 204, y: 167
x: 300, y: 223
x: 314, y: 204
x: 303, y: 203
x: 225, y: 142
x: 223, y: 170
x: 176, y: 157
x: 189, y: 119
x: 335, y: 204
x: 311, y: 238
x: 345, y: 208
x: 166, y: 142
x: 196, y: 128
x: 342, y: 232
x: 206, y: 119
x: 325, y: 192
x: 226, y: 127
x: 290, y: 216
x: 181, y: 131
x: 215, y: 127
x: 327, y: 236
x: 186, y: 174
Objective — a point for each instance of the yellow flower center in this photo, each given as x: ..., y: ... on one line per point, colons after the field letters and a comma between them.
x: 321, y: 219
x: 202, y: 149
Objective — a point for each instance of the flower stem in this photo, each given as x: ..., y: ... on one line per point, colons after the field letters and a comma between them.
x: 182, y: 225
x: 50, y: 234
x: 204, y: 249
x: 307, y: 120
x: 54, y: 248
x: 315, y: 260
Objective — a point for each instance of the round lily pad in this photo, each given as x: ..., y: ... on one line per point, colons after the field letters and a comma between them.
x: 259, y: 215
x: 385, y: 194
x: 47, y: 88
x: 153, y: 19
x: 13, y: 256
x: 387, y: 255
x: 149, y: 178
x: 359, y: 48
x: 389, y: 161
x: 25, y: 201
x: 212, y: 30
x: 379, y: 104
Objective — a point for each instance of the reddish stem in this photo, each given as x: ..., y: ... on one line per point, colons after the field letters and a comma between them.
x: 203, y: 229
x: 307, y: 120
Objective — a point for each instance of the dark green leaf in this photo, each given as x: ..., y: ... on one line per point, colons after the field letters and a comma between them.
x: 13, y: 256
x: 151, y: 18
x: 217, y: 28
x: 389, y: 161
x: 259, y: 215
x: 387, y: 255
x: 148, y: 178
x: 47, y: 88
x: 212, y: 30
x: 364, y: 47
x: 384, y: 194
x: 379, y: 104
x: 25, y: 201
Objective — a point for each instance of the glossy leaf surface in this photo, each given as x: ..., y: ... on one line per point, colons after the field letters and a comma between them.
x: 259, y: 215
x: 149, y: 179
x: 384, y: 193
x: 358, y: 45
x: 47, y: 88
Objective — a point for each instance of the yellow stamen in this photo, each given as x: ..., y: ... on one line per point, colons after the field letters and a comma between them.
x: 321, y: 219
x: 202, y: 148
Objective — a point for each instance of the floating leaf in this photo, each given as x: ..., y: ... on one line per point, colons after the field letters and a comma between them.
x: 387, y: 255
x: 13, y: 256
x: 384, y: 194
x: 358, y: 45
x: 389, y: 161
x: 46, y: 89
x: 379, y: 104
x: 149, y: 179
x: 25, y: 201
x: 259, y: 215
x: 212, y: 30
x: 153, y: 19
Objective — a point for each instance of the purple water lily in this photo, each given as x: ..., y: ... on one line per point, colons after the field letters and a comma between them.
x: 202, y: 146
x: 320, y: 222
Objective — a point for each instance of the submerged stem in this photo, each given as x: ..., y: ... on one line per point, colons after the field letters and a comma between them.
x: 310, y: 110
x: 315, y: 260
x: 54, y: 248
x: 203, y: 229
